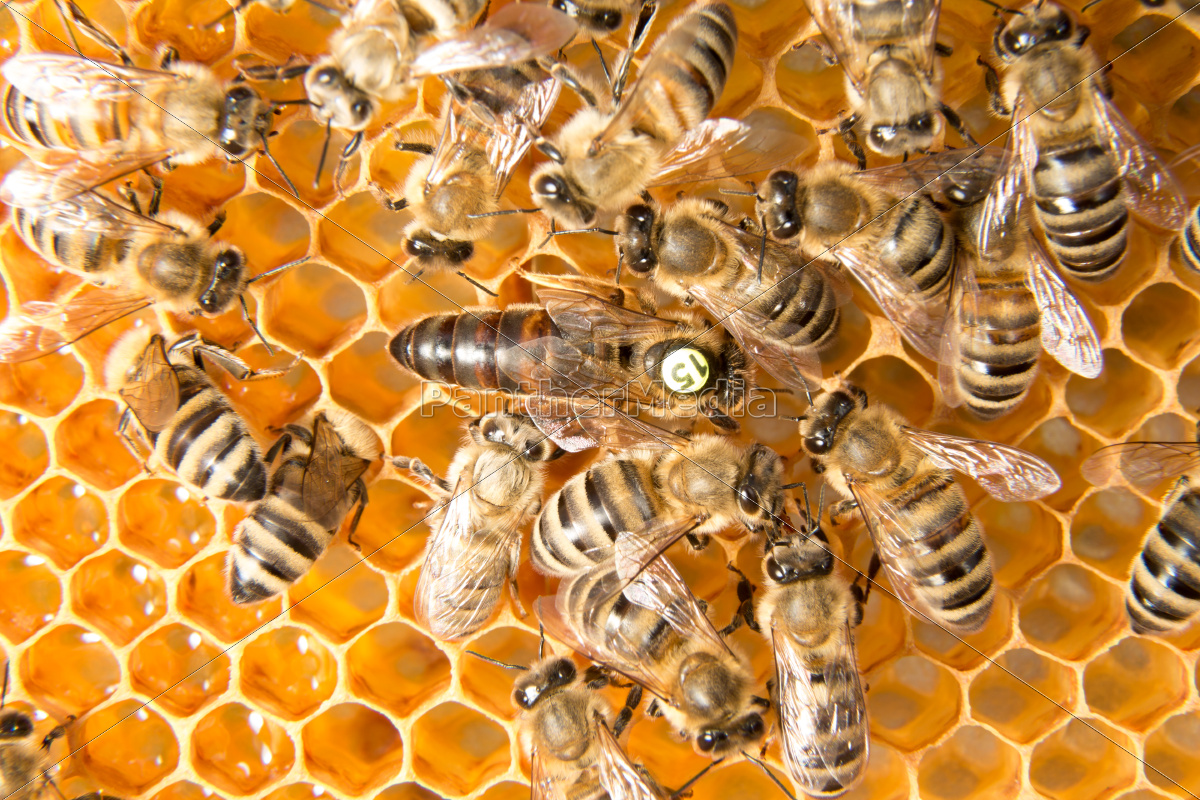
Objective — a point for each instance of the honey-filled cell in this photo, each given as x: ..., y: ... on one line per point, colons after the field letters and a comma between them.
x: 33, y: 597
x: 340, y: 596
x: 118, y: 595
x: 292, y: 318
x: 366, y: 381
x: 185, y: 25
x: 455, y: 748
x: 129, y: 746
x: 352, y: 748
x: 43, y: 387
x: 398, y: 667
x: 62, y: 520
x: 180, y: 668
x: 390, y: 533
x: 239, y: 751
x: 164, y: 521
x: 88, y: 445
x: 488, y: 685
x: 203, y: 598
x: 288, y: 671
x: 26, y: 455
x: 69, y: 667
x: 186, y: 790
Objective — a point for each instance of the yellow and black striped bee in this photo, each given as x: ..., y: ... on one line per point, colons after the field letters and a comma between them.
x: 24, y: 758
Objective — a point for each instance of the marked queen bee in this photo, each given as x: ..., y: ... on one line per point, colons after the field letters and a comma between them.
x: 1071, y: 150
x: 900, y: 479
x: 1164, y: 588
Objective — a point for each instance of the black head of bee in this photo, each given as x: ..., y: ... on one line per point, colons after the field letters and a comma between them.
x: 245, y: 120
x: 552, y: 190
x: 425, y: 247
x: 821, y: 423
x: 759, y: 492
x: 636, y: 228
x: 15, y: 725
x: 887, y: 138
x: 227, y: 282
x: 777, y: 204
x: 1049, y: 23
x: 555, y: 675
x: 719, y: 741
x: 599, y: 19
x: 337, y: 99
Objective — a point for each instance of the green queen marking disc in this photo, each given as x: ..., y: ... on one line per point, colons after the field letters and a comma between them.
x: 686, y: 370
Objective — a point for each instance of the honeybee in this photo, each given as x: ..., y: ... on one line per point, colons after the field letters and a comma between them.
x: 185, y: 420
x: 24, y: 759
x: 893, y: 81
x: 168, y: 258
x: 1071, y: 149
x: 1189, y: 234
x: 612, y: 347
x: 600, y: 17
x: 454, y: 194
x: 645, y: 624
x: 694, y: 250
x: 900, y: 480
x: 886, y: 226
x: 604, y: 160
x: 315, y: 483
x: 1164, y: 589
x: 385, y: 46
x: 492, y: 490
x: 807, y: 613
x: 1007, y: 305
x: 115, y: 119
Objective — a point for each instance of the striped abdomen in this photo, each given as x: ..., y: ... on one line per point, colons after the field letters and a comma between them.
x: 803, y: 306
x: 93, y: 125
x: 273, y: 548
x: 628, y: 630
x: 461, y: 348
x: 839, y: 752
x: 1189, y: 240
x: 1081, y: 208
x: 585, y: 516
x: 919, y: 242
x: 999, y: 344
x: 208, y: 444
x: 943, y: 555
x: 1164, y: 591
x: 63, y: 242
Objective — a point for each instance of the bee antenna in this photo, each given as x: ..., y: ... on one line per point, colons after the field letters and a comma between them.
x: 475, y: 283
x: 271, y: 157
x: 770, y: 775
x: 504, y: 664
x: 277, y: 270
x: 541, y: 641
x: 1006, y: 10
x: 4, y: 692
x: 504, y: 213
x: 553, y: 232
x: 807, y: 507
x: 800, y: 418
x: 324, y: 153
x: 787, y: 487
x: 762, y: 249
x: 620, y: 263
x: 739, y: 194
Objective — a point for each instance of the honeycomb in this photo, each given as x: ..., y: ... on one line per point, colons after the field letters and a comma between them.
x: 113, y: 606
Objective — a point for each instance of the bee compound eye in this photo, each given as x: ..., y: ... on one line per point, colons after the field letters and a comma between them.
x: 551, y: 186
x: 881, y: 135
x: 326, y: 76
x: 750, y: 501
x: 780, y: 573
x: 752, y: 726
x: 525, y: 698
x: 361, y: 110
x: 607, y: 20
x: 922, y: 123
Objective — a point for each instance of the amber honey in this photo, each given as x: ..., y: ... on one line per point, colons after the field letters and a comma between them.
x: 112, y: 605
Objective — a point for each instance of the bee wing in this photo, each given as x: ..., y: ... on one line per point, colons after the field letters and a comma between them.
x: 542, y: 785
x: 576, y: 424
x: 841, y: 23
x: 457, y: 139
x: 66, y: 80
x: 1143, y: 464
x: 330, y: 472
x: 153, y: 393
x: 586, y: 317
x: 517, y: 127
x: 955, y: 177
x: 815, y: 724
x: 552, y: 363
x: 39, y: 329
x: 460, y: 560
x: 85, y: 212
x: 633, y: 550
x: 1067, y: 333
x: 619, y: 777
x: 1151, y: 190
x: 963, y: 301
x: 517, y: 32
x: 659, y: 588
x: 1007, y: 195
x: 1006, y: 473
x: 30, y: 185
x: 722, y: 148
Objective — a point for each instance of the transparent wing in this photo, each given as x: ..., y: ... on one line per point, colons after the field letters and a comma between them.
x: 153, y: 393
x: 1001, y: 214
x: 659, y: 588
x: 68, y: 80
x: 958, y: 177
x: 542, y: 784
x: 633, y: 550
x: 461, y: 566
x: 963, y: 304
x: 330, y: 472
x: 38, y: 329
x: 580, y: 423
x: 518, y: 32
x: 724, y: 148
x: 582, y: 316
x: 1143, y: 464
x: 459, y: 137
x: 1006, y: 473
x: 1152, y: 192
x: 30, y: 185
x: 552, y: 363
x: 619, y: 777
x: 843, y: 27
x: 1067, y: 333
x: 517, y: 127
x: 814, y: 722
x: 84, y: 212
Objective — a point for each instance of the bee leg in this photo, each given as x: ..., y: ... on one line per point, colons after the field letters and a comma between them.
x: 236, y: 366
x: 347, y: 152
x: 841, y: 509
x: 424, y: 148
x: 418, y: 468
x: 846, y: 129
x: 81, y: 19
x: 652, y: 710
x: 943, y: 50
x: 632, y: 701
x: 127, y: 439
x: 991, y: 80
x: 170, y: 56
x: 821, y: 46
x: 955, y: 121
x: 745, y: 593
x: 761, y: 702
x: 217, y: 223
x: 570, y: 79
x: 57, y: 732
x: 862, y: 593
x: 608, y: 78
x: 156, y: 194
x: 697, y: 542
x: 281, y: 444
x: 361, y: 487
x: 637, y: 37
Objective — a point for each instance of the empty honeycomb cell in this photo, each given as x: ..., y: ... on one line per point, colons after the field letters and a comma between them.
x: 741, y: 779
x: 912, y: 702
x: 364, y: 238
x: 1023, y: 539
x: 507, y: 790
x: 365, y: 380
x: 742, y: 88
x: 269, y: 231
x: 852, y: 340
x: 1142, y: 794
x: 1135, y: 682
x: 1114, y: 402
x: 69, y: 668
x: 972, y: 763
x: 236, y: 749
x: 456, y: 748
x: 288, y: 672
x: 440, y: 429
x: 966, y: 652
x: 340, y: 596
x: 1085, y: 758
x: 164, y: 521
x: 352, y: 748
x: 32, y: 595
x: 402, y: 301
x: 1171, y: 755
x: 199, y: 189
x: 204, y: 599
x: 43, y: 387
x: 1022, y: 695
x: 275, y: 402
x: 186, y: 790
x: 397, y: 667
x: 1188, y: 388
x: 1160, y: 77
x: 388, y: 532
x: 87, y: 443
x: 1157, y: 325
x: 1063, y: 446
x: 1070, y: 612
x: 878, y: 376
x: 129, y: 746
x: 314, y: 329
x: 118, y: 595
x: 1107, y: 530
x: 809, y: 85
x: 184, y: 25
x: 489, y: 686
x: 298, y: 149
x: 62, y: 520
x: 885, y: 778
x: 25, y: 453
x: 179, y: 668
x: 298, y: 791
x: 9, y: 34
x: 303, y: 30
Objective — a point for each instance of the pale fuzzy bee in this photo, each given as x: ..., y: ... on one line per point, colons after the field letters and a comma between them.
x: 25, y: 761
x: 314, y: 484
